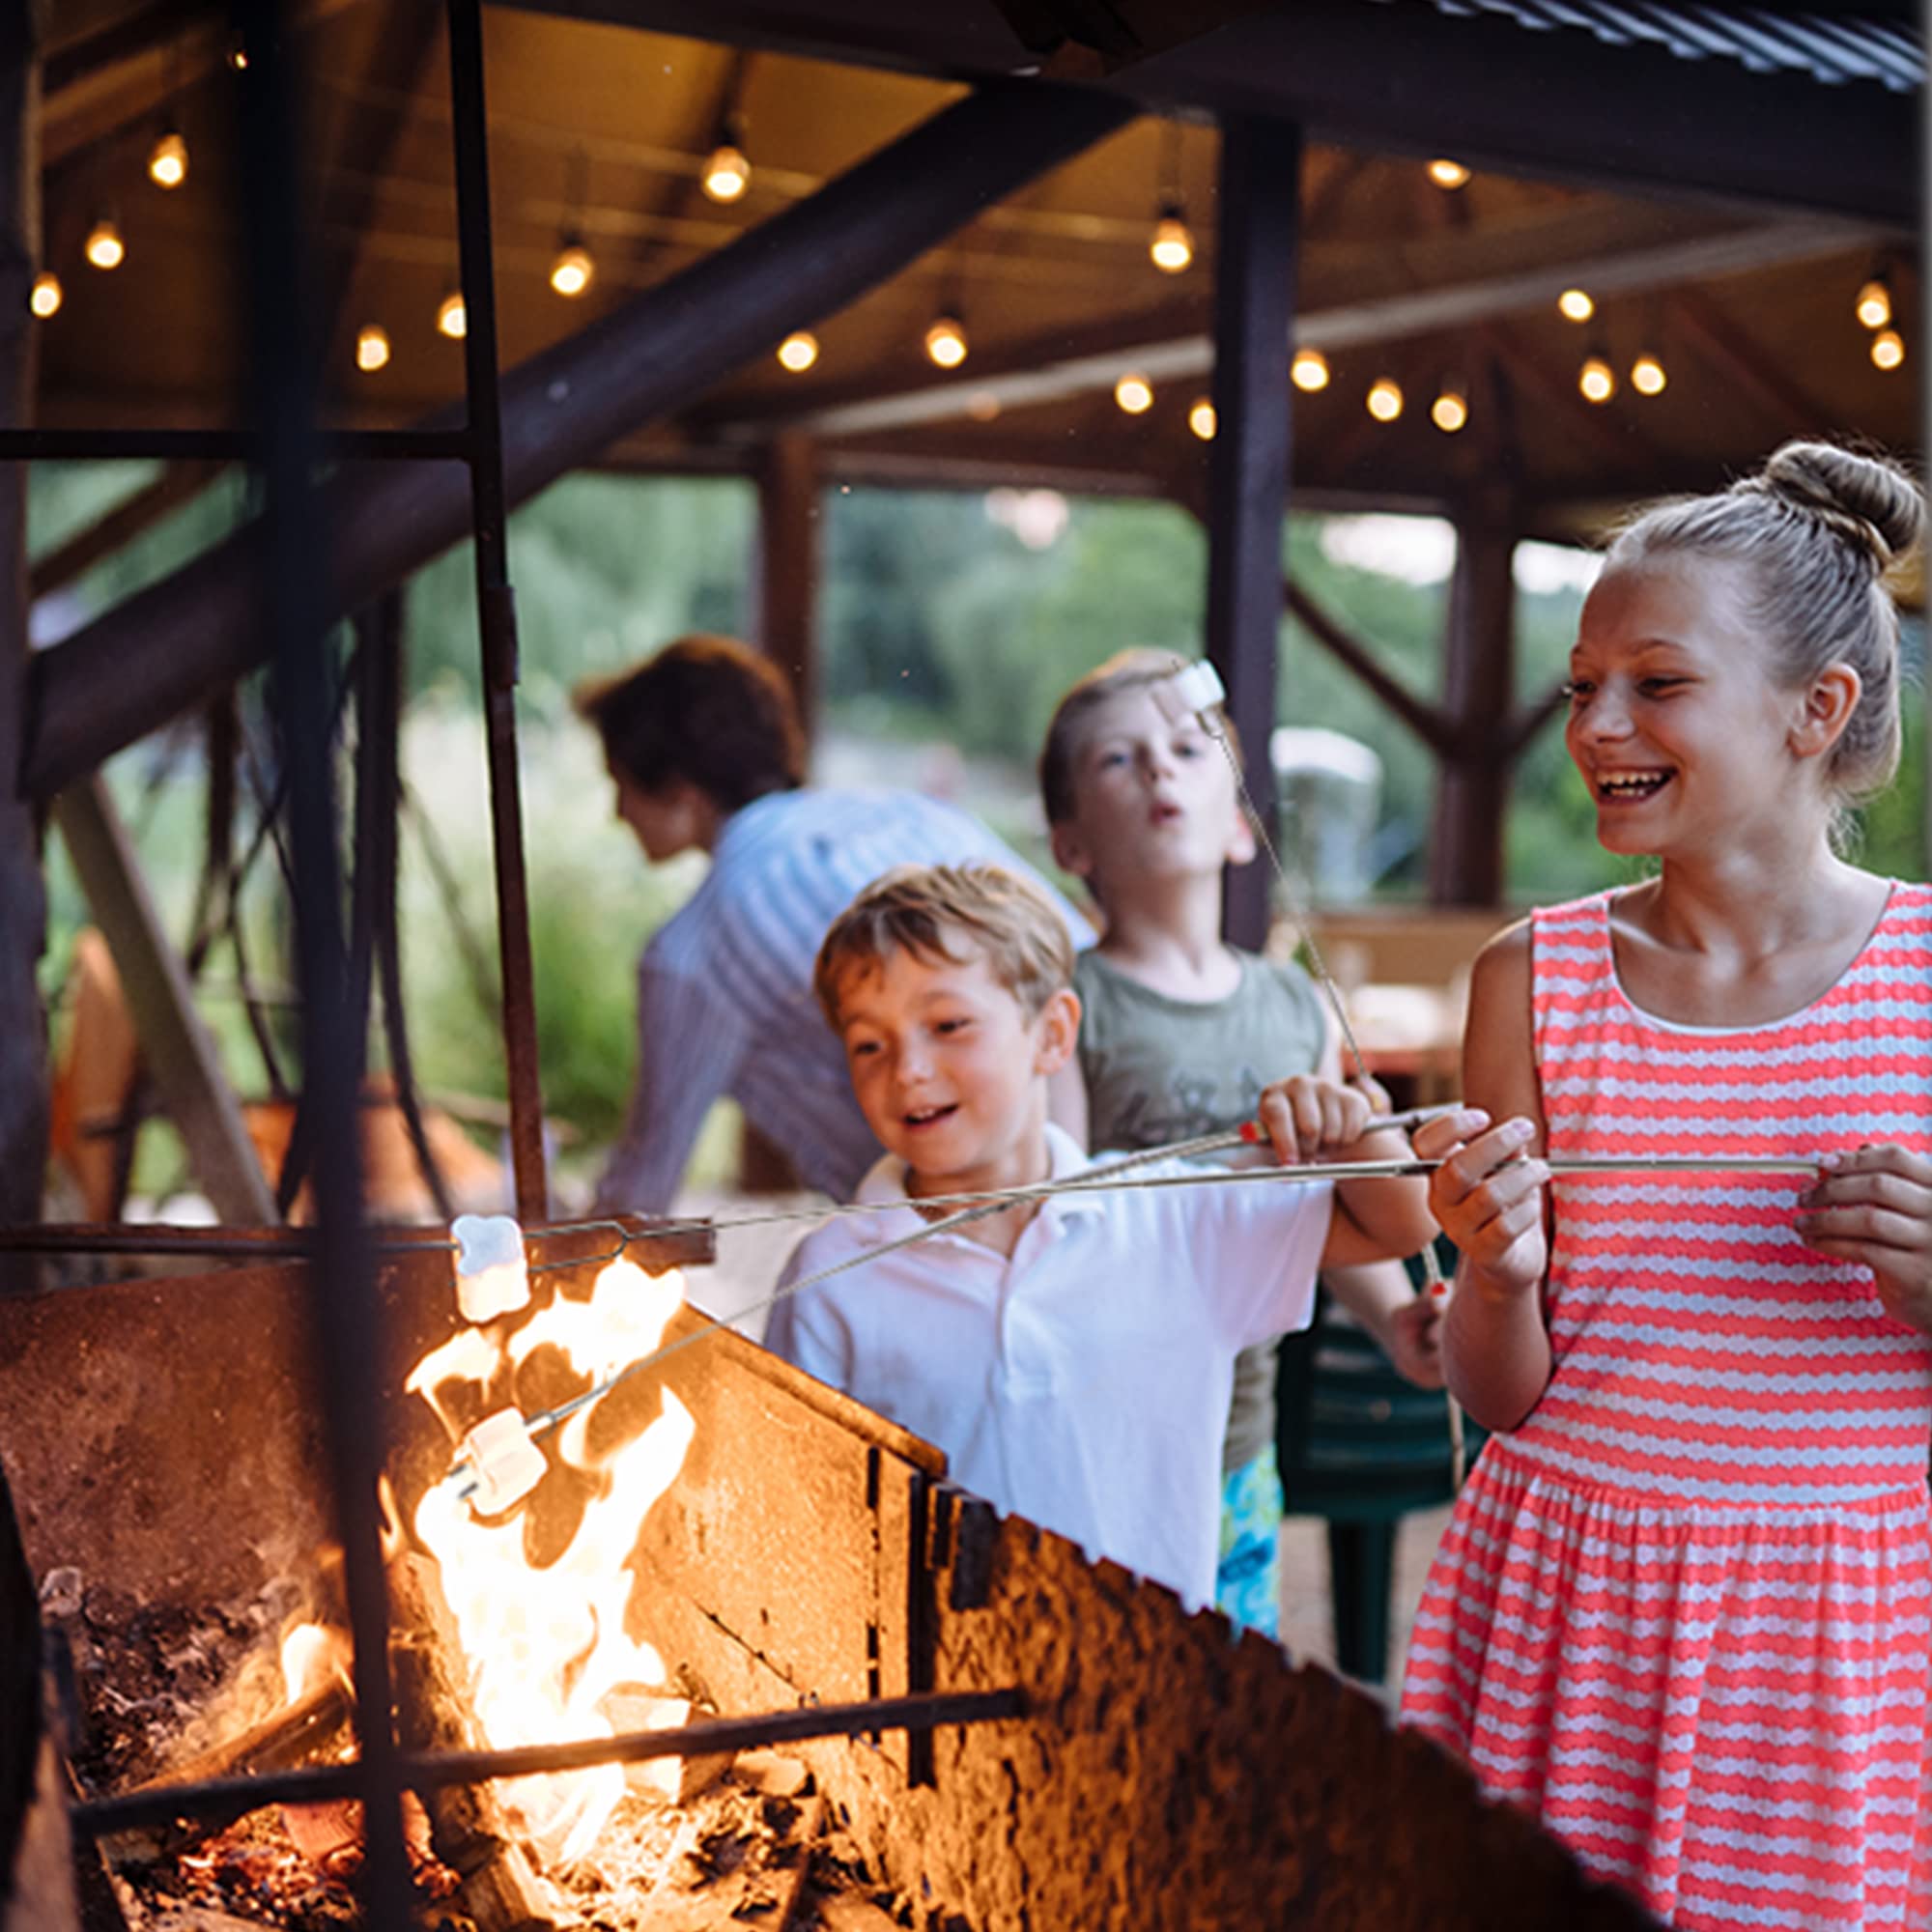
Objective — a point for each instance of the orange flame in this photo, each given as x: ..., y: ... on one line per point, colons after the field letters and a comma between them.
x: 544, y: 1646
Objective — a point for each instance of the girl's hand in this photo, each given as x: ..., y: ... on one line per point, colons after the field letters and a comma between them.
x: 1874, y: 1207
x: 1489, y: 1195
x: 1305, y: 1114
x: 1412, y: 1340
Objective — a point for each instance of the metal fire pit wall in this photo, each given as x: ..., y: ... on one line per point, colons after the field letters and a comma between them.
x: 161, y: 1434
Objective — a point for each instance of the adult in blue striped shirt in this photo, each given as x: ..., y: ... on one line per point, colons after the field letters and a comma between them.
x: 704, y: 745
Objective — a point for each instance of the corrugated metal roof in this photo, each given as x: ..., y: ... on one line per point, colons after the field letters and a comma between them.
x: 1833, y: 48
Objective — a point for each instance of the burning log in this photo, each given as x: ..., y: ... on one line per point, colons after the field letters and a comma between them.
x: 499, y: 1890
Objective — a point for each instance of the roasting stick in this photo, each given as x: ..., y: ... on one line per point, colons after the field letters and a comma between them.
x: 1198, y: 688
x: 1099, y: 1180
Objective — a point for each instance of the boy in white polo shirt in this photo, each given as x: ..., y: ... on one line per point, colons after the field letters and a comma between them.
x: 1072, y: 1356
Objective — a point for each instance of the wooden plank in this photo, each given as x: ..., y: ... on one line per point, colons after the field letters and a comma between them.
x: 166, y: 647
x: 1249, y: 461
x: 180, y: 1051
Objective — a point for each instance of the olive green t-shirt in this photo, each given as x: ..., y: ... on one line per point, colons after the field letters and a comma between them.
x: 1160, y: 1069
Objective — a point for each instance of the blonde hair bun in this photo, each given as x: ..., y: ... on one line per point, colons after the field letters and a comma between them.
x: 1869, y: 500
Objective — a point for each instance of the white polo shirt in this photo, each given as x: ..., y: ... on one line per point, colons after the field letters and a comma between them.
x: 1083, y: 1384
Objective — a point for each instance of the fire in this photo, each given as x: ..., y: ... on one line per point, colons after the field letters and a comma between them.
x: 546, y: 1647
x: 311, y: 1654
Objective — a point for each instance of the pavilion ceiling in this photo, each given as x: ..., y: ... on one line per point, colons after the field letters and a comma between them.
x: 603, y: 127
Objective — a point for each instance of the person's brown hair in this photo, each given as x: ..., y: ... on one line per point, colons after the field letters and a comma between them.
x: 1815, y: 528
x: 1133, y: 669
x: 708, y: 710
x: 930, y: 910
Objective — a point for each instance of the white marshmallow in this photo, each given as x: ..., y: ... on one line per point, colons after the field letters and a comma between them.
x: 492, y: 1276
x: 1192, y: 690
x: 506, y: 1463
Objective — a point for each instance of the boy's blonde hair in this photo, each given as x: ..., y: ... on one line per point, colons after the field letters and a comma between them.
x: 918, y: 909
x: 1133, y: 669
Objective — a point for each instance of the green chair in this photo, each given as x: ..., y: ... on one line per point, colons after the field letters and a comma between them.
x: 1362, y: 1448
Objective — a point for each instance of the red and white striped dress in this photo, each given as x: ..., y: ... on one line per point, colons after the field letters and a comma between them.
x: 1683, y: 1612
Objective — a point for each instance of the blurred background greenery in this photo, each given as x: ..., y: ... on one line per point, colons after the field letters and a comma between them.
x: 949, y: 624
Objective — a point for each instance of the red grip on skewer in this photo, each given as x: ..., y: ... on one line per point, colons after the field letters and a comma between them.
x: 1253, y: 1131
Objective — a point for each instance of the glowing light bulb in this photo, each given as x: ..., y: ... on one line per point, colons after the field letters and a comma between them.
x: 238, y: 53
x: 798, y: 351
x: 1597, y: 380
x: 1309, y: 370
x: 1887, y: 349
x: 1386, y: 400
x: 1173, y: 245
x: 1575, y: 304
x: 728, y: 173
x: 1448, y: 174
x: 103, y: 246
x: 1450, y: 411
x: 372, y: 347
x: 1875, y: 303
x: 573, y: 270
x: 452, y: 319
x: 1201, y: 419
x: 1134, y: 393
x: 167, y: 161
x: 946, y: 342
x: 46, y: 294
x: 1647, y: 376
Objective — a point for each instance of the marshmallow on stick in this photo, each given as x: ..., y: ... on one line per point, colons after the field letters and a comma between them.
x: 505, y: 1465
x: 491, y: 1275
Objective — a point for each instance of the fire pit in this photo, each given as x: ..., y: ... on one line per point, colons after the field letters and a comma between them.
x: 1024, y: 1738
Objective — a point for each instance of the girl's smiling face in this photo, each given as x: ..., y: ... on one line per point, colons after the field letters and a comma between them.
x: 1675, y: 721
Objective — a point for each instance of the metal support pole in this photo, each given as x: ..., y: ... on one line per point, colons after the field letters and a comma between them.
x: 292, y: 597
x: 496, y: 605
x: 1249, y: 463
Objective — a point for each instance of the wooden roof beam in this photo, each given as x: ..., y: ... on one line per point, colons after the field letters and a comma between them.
x: 167, y: 646
x: 1739, y: 360
x: 1067, y: 362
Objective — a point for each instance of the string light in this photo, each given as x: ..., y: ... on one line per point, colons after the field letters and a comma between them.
x: 1448, y: 174
x: 1647, y: 376
x: 167, y: 160
x: 372, y: 347
x: 1134, y: 393
x: 1575, y: 304
x: 1874, y: 303
x: 1887, y: 349
x: 46, y: 294
x: 1309, y: 370
x: 798, y: 351
x: 1171, y: 248
x: 1201, y: 419
x: 452, y: 319
x: 238, y: 53
x: 1450, y: 411
x: 103, y: 246
x: 946, y: 341
x: 728, y: 173
x: 1597, y: 380
x: 573, y: 270
x: 1386, y: 400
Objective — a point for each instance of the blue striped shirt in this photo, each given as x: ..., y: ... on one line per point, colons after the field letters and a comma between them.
x: 724, y: 1001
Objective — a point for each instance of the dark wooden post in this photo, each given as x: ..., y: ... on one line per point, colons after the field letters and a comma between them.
x: 789, y: 552
x: 787, y: 632
x: 1465, y: 859
x: 1248, y: 466
x: 23, y: 1056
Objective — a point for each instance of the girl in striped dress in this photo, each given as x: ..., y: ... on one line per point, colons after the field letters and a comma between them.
x: 1683, y: 1609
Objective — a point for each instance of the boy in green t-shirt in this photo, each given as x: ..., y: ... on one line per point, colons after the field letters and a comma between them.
x: 1178, y: 1027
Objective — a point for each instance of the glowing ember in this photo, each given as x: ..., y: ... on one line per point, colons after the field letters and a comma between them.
x: 546, y: 1647
x: 311, y: 1654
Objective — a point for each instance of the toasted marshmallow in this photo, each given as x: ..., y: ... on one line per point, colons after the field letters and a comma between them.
x: 1195, y: 691
x: 506, y: 1463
